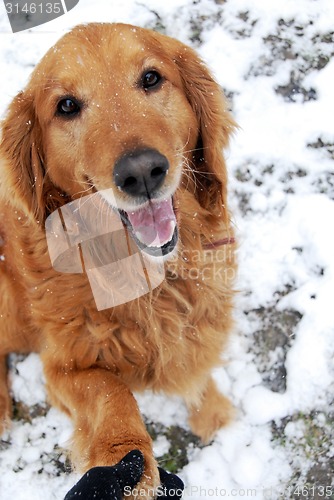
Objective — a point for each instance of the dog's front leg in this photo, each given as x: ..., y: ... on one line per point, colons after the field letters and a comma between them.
x: 107, y: 422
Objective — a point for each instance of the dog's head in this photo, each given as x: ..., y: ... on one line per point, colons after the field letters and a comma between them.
x: 115, y: 106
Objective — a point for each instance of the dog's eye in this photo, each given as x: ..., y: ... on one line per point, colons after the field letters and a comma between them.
x: 151, y: 79
x: 68, y: 107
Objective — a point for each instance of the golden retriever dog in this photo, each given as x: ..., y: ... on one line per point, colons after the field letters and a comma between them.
x: 113, y: 106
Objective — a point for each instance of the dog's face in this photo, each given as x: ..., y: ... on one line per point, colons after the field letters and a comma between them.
x: 115, y: 115
x: 114, y: 106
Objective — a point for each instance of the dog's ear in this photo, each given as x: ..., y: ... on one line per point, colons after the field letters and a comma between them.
x: 23, y: 169
x: 215, y: 125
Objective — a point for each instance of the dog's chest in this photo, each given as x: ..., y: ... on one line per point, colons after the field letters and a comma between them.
x: 142, y: 353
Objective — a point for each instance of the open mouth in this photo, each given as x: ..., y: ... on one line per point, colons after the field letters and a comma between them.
x: 153, y: 226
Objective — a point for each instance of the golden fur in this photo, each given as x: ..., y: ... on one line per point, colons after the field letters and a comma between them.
x: 167, y: 340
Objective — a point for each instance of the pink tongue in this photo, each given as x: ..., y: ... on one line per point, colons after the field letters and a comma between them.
x: 154, y: 224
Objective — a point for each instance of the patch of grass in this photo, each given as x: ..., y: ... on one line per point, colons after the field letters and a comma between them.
x: 181, y: 441
x: 308, y: 439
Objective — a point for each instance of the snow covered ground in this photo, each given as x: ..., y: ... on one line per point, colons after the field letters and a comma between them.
x: 275, y: 62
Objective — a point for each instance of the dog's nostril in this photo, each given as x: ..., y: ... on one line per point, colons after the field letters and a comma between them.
x: 129, y: 182
x: 141, y: 172
x: 157, y: 172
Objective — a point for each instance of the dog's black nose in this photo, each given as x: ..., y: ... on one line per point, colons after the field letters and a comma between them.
x: 141, y: 172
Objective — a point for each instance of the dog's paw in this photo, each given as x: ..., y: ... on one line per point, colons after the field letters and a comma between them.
x: 212, y: 414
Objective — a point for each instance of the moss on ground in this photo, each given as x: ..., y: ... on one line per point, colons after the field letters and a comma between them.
x: 181, y: 442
